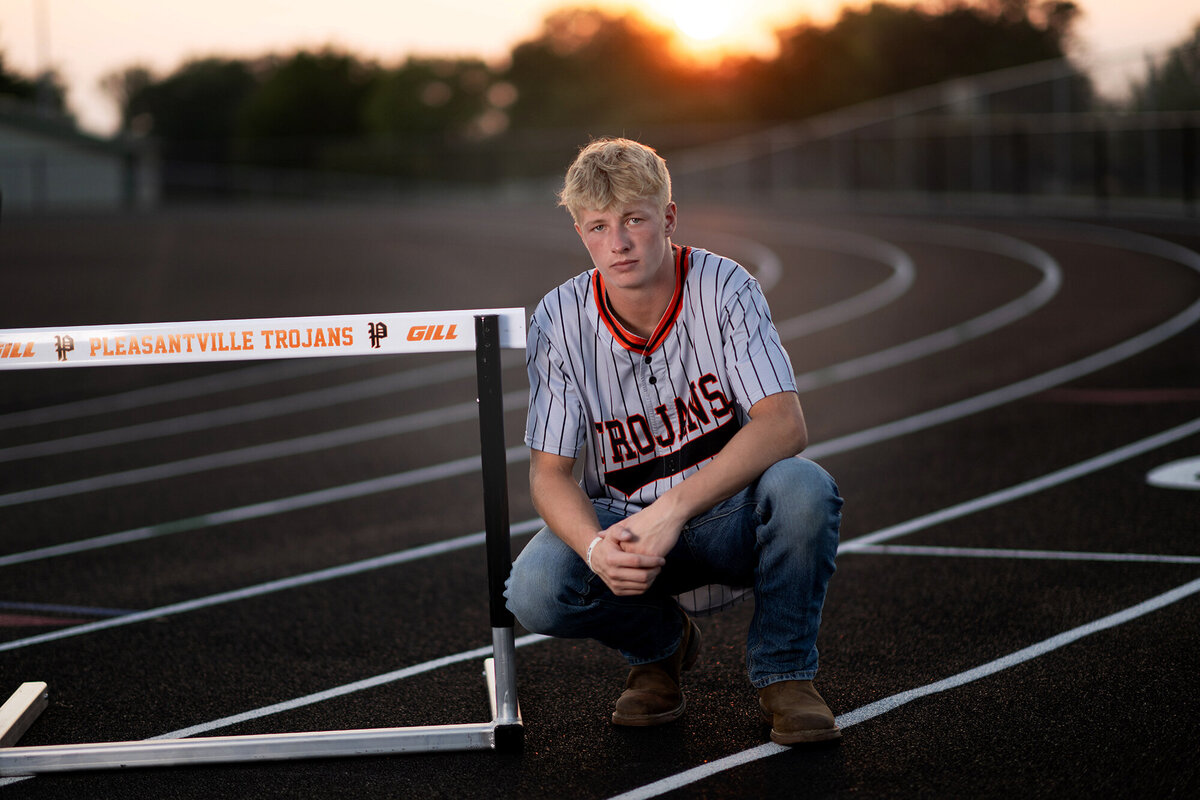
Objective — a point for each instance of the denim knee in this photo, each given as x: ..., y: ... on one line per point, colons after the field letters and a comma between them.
x: 797, y: 476
x: 803, y: 493
x: 540, y: 583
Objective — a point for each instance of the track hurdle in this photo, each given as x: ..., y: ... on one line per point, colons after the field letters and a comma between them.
x: 488, y: 332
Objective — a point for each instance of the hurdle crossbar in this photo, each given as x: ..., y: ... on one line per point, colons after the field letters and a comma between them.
x: 487, y: 332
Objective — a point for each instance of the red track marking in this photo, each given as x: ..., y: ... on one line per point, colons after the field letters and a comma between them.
x: 31, y: 621
x: 1121, y: 396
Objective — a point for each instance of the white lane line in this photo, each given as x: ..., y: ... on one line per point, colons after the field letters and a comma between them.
x: 768, y: 266
x: 1047, y: 380
x: 694, y: 775
x: 339, y: 437
x: 686, y: 778
x: 895, y: 701
x: 1023, y: 306
x: 1034, y: 555
x: 309, y: 400
x: 315, y: 442
x: 847, y: 720
x: 1134, y: 242
x: 890, y: 703
x: 328, y: 694
x: 255, y: 375
x: 250, y: 512
x: 349, y: 688
x: 249, y: 412
x: 270, y: 587
x: 449, y: 469
x: 177, y: 390
x: 1094, y: 464
x: 518, y: 453
x: 843, y: 444
x: 859, y: 305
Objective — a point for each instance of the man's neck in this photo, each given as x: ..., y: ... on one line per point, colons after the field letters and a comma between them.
x: 640, y: 310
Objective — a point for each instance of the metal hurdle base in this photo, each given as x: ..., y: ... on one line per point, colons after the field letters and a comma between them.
x: 504, y: 733
x: 20, y: 710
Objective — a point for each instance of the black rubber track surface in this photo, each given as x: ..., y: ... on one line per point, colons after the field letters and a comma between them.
x: 1101, y: 350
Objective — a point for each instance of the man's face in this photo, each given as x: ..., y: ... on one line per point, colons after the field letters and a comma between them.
x: 630, y: 243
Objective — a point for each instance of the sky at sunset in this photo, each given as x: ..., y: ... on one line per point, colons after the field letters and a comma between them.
x: 87, y: 39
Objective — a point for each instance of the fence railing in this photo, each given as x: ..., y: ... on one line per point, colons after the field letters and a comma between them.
x: 1034, y: 137
x: 1082, y: 161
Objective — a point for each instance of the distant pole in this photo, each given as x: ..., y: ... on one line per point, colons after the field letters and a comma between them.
x: 1188, y: 145
x: 1100, y: 168
x: 41, y: 27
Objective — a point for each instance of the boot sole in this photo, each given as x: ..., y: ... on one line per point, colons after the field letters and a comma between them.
x: 800, y: 737
x: 650, y: 720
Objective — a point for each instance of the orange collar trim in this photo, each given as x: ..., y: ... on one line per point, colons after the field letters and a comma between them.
x: 629, y: 340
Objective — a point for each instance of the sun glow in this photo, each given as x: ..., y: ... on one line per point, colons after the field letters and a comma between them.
x: 702, y: 20
x: 711, y: 29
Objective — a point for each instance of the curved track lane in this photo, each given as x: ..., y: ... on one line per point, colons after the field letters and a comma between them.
x: 293, y: 549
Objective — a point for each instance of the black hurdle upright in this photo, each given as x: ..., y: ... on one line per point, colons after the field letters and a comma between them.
x: 509, y: 732
x: 504, y: 732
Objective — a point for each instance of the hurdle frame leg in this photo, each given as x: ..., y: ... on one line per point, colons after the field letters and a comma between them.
x: 504, y: 732
x: 502, y: 683
x: 20, y: 711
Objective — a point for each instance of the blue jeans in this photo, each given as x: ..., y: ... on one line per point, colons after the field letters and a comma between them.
x: 777, y: 536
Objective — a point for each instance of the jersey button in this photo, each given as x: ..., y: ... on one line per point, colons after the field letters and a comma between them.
x: 653, y: 380
x: 648, y: 359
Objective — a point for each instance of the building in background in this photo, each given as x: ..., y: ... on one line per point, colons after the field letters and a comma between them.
x: 47, y: 164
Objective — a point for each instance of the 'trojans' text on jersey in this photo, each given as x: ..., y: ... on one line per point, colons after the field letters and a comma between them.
x: 695, y: 432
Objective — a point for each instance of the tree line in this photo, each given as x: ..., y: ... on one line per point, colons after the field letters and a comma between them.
x: 586, y: 70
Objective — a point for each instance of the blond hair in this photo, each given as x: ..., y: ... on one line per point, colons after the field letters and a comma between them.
x: 608, y: 172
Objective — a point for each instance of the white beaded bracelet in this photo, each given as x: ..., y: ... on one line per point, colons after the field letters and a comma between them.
x: 591, y: 547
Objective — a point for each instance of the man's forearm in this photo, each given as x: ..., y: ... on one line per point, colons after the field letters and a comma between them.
x: 776, y: 432
x: 565, y: 508
x: 569, y: 513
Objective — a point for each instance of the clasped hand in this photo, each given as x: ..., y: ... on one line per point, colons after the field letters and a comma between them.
x: 632, y: 553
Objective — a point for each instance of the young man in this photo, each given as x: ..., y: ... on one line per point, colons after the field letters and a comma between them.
x: 662, y: 363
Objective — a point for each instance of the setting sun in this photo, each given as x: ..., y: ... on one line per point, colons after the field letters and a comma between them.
x: 702, y: 20
x: 709, y: 29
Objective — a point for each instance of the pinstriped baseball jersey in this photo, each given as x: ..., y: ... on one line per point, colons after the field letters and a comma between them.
x: 650, y: 412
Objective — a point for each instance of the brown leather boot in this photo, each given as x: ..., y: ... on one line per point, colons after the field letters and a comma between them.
x: 796, y: 713
x: 652, y: 693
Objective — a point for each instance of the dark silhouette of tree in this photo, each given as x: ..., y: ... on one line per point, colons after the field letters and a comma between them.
x: 48, y: 90
x: 302, y: 102
x: 1173, y: 85
x: 123, y: 86
x: 430, y: 96
x: 590, y: 68
x: 308, y: 94
x: 193, y: 112
x: 884, y: 49
x: 587, y: 71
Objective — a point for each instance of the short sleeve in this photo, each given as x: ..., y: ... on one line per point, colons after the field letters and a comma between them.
x: 555, y: 422
x: 757, y: 363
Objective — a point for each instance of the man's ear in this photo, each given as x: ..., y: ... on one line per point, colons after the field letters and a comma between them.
x: 670, y: 216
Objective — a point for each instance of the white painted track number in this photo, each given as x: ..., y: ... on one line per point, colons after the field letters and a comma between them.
x: 1183, y: 474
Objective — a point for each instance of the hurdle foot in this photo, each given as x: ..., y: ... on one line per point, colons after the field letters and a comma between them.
x: 509, y: 738
x: 20, y: 710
